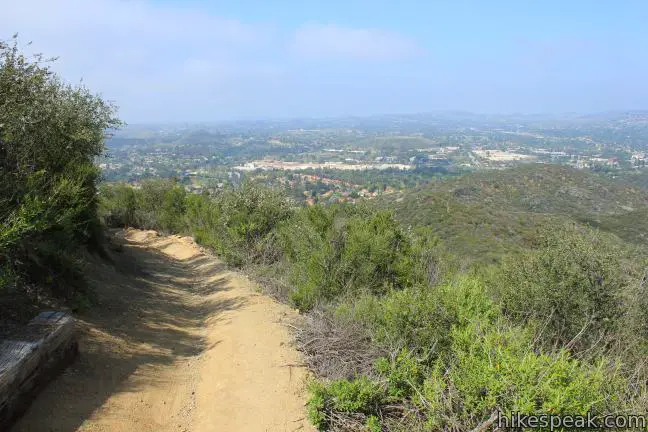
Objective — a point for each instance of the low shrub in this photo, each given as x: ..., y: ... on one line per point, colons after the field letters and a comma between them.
x: 362, y: 396
x: 569, y: 288
x: 237, y: 223
x: 248, y: 217
x: 494, y: 367
x: 346, y: 251
x: 421, y: 318
x: 118, y: 205
x: 460, y: 360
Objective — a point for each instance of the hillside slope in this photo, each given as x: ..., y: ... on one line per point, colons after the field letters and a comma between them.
x: 485, y: 214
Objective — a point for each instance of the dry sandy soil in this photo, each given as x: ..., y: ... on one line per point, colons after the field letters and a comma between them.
x: 176, y: 343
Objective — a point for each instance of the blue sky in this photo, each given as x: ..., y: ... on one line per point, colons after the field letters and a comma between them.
x: 197, y: 60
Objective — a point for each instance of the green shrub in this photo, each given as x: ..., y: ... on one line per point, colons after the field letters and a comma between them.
x: 421, y: 318
x: 39, y: 239
x: 569, y: 288
x: 373, y: 424
x: 345, y: 251
x: 9, y: 280
x: 155, y: 204
x: 248, y: 217
x: 404, y: 374
x: 494, y: 367
x: 202, y: 217
x: 118, y: 205
x: 358, y: 396
x: 173, y: 210
x: 462, y: 360
x: 238, y: 223
x: 159, y: 204
x: 481, y: 363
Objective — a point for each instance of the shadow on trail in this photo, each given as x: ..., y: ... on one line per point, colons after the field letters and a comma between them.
x: 150, y: 310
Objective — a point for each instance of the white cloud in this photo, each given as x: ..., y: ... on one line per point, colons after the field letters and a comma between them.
x: 147, y: 57
x: 176, y: 62
x: 117, y: 21
x: 331, y: 41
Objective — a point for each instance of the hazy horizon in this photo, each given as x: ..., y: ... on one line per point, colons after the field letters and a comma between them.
x: 199, y: 61
x: 439, y: 113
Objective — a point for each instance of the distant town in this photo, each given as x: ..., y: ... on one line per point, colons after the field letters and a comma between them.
x: 345, y: 159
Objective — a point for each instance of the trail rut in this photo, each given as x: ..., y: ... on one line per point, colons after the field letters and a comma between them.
x: 176, y: 343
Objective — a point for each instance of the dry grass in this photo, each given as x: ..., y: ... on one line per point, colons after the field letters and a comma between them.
x: 336, y: 350
x: 393, y: 418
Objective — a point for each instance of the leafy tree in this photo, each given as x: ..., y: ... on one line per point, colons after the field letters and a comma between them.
x: 50, y: 135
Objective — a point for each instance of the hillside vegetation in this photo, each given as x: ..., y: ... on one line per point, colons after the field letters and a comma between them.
x: 400, y: 334
x: 50, y: 133
x: 487, y: 214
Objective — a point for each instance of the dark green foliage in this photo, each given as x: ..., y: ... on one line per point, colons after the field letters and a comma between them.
x: 50, y: 134
x: 173, y: 209
x: 203, y: 215
x: 158, y: 204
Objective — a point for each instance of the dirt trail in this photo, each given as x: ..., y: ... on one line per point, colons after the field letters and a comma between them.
x: 177, y: 343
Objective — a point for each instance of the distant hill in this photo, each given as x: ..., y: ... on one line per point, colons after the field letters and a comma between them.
x: 485, y: 214
x: 631, y: 226
x: 638, y: 178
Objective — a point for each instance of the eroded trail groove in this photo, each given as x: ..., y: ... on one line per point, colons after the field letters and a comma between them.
x: 176, y: 343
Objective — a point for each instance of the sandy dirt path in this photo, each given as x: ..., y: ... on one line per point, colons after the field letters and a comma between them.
x: 176, y: 343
